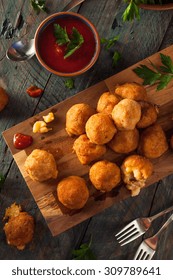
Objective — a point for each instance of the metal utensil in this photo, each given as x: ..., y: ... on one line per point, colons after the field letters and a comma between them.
x: 24, y: 50
x: 149, y: 245
x: 138, y: 227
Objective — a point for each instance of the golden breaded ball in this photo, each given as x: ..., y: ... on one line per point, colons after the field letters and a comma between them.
x: 104, y: 175
x: 132, y: 91
x: 149, y: 114
x: 126, y: 114
x: 106, y: 103
x: 3, y: 98
x: 77, y: 117
x: 72, y: 192
x: 100, y: 128
x: 41, y: 166
x: 135, y: 171
x: 87, y: 151
x: 153, y: 142
x: 125, y: 141
x: 19, y: 230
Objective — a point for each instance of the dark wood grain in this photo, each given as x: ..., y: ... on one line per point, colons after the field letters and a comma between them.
x: 138, y: 40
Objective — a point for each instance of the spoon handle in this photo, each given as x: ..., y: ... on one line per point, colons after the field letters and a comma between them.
x: 72, y: 4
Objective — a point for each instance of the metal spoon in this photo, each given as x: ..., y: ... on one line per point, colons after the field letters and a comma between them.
x: 24, y: 50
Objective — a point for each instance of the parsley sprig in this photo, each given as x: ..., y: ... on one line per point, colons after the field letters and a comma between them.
x: 132, y: 10
x: 73, y: 43
x: 108, y: 44
x: 69, y: 83
x: 161, y: 75
x: 39, y: 5
x: 84, y: 252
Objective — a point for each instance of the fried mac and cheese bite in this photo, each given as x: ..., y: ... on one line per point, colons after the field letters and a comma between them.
x: 149, y: 114
x: 76, y: 118
x: 41, y: 166
x: 126, y: 114
x: 72, y: 192
x: 104, y: 175
x: 135, y: 171
x: 131, y: 91
x: 19, y: 229
x: 100, y: 128
x: 106, y: 103
x: 87, y: 151
x: 125, y: 141
x: 153, y: 142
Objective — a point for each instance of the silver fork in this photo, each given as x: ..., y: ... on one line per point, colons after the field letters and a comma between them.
x: 148, y: 247
x: 138, y: 227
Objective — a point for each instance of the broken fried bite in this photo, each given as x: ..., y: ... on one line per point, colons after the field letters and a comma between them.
x: 153, y: 142
x: 72, y: 192
x: 124, y: 141
x: 149, y: 114
x: 126, y: 114
x: 106, y: 103
x: 104, y: 175
x: 135, y: 171
x: 87, y: 151
x: 132, y: 91
x: 41, y: 166
x: 76, y: 118
x: 100, y: 128
x: 19, y: 229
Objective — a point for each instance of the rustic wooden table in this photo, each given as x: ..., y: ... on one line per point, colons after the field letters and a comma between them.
x: 137, y: 40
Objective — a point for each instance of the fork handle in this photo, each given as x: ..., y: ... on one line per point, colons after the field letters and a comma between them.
x: 152, y: 218
x: 72, y: 4
x: 164, y: 226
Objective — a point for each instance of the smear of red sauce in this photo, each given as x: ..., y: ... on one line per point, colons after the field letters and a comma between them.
x: 53, y: 54
x: 22, y: 141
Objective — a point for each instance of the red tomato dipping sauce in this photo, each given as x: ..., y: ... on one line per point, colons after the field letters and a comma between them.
x: 53, y: 54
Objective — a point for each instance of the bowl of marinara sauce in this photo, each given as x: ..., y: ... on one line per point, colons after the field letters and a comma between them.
x: 67, y: 44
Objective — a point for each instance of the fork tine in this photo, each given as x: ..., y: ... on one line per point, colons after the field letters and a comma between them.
x: 126, y: 228
x: 144, y: 252
x: 130, y: 238
x: 138, y: 254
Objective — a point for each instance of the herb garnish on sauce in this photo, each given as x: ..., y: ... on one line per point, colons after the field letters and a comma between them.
x: 62, y: 38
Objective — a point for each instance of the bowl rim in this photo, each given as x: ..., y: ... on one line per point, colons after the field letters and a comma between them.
x: 157, y: 7
x: 92, y: 61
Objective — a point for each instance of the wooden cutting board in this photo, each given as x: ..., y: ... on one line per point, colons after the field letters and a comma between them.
x: 57, y: 217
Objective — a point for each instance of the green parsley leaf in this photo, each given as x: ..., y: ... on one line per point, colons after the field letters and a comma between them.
x: 69, y: 83
x: 75, y: 42
x: 167, y: 62
x: 116, y: 57
x: 131, y: 12
x: 39, y: 5
x: 109, y: 42
x: 162, y: 75
x: 84, y: 252
x: 148, y: 75
x: 164, y: 81
x: 61, y: 35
